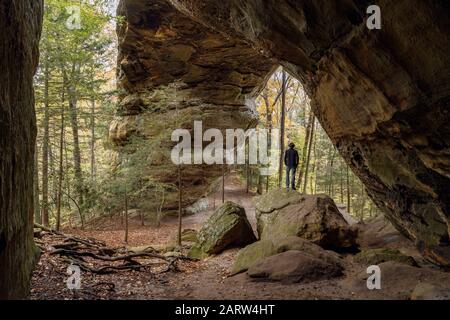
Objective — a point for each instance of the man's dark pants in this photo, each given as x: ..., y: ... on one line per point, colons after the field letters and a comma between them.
x: 289, y: 171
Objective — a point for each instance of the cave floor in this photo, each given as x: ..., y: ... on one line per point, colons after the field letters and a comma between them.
x: 210, y: 279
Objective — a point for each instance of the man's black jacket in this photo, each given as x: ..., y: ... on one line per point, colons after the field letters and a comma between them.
x: 291, y: 158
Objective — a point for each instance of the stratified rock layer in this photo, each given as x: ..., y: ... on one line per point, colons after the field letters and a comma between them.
x: 20, y: 25
x: 383, y: 96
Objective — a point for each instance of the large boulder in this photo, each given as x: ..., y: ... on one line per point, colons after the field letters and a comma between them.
x: 227, y: 227
x: 378, y: 232
x: 294, y: 266
x: 398, y: 281
x: 259, y: 250
x: 283, y: 213
x: 380, y: 255
x: 253, y: 253
x: 427, y: 291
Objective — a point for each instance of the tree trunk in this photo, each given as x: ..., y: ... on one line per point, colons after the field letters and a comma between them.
x: 67, y: 178
x: 247, y: 165
x: 51, y: 168
x: 305, y: 150
x: 309, y: 153
x: 126, y: 215
x: 76, y: 148
x: 341, y: 182
x: 282, y: 128
x: 180, y: 205
x: 348, y: 190
x: 20, y: 25
x: 269, y: 128
x: 317, y: 173
x: 331, y: 185
x: 61, y: 162
x: 45, y: 149
x: 160, y: 208
x: 363, y: 203
x: 37, y: 209
x: 314, y: 167
x: 223, y: 182
x: 259, y: 189
x: 311, y: 179
x: 92, y: 144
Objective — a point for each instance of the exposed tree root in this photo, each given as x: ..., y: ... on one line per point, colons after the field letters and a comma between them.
x: 91, y: 254
x: 128, y: 257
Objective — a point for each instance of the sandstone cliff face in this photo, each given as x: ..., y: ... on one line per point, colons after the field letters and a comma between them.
x: 217, y: 77
x: 20, y: 25
x: 381, y: 95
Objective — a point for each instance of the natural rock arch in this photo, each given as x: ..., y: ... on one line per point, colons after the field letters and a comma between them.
x: 381, y: 95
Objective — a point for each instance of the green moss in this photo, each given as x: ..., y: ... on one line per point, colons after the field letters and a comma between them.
x: 257, y: 251
x: 189, y: 235
x: 228, y: 225
x: 377, y: 256
x: 276, y: 199
x: 197, y: 253
x: 252, y: 254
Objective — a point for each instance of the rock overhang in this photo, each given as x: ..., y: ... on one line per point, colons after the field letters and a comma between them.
x: 382, y: 95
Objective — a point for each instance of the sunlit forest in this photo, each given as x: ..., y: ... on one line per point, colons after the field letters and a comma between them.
x: 75, y: 102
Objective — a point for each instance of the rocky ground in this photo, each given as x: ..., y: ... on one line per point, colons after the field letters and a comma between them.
x: 212, y: 277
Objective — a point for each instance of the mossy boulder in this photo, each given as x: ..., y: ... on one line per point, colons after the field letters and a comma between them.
x: 189, y: 235
x: 377, y: 256
x: 428, y: 291
x: 252, y: 254
x: 257, y: 251
x: 227, y: 227
x: 284, y: 213
x: 295, y: 266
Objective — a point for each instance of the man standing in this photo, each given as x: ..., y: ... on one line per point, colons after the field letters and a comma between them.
x: 291, y: 160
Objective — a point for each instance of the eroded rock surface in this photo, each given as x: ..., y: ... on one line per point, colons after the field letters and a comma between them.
x: 283, y: 213
x: 383, y: 96
x: 398, y: 280
x: 376, y: 256
x: 227, y: 227
x: 262, y: 249
x: 426, y: 291
x: 293, y: 267
x: 378, y: 232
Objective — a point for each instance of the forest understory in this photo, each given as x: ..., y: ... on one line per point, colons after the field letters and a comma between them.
x: 179, y: 278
